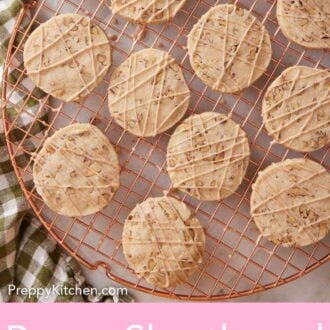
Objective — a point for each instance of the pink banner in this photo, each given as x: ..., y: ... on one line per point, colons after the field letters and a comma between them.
x: 165, y: 316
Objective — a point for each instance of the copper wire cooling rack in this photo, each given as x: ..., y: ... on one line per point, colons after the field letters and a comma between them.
x: 237, y: 260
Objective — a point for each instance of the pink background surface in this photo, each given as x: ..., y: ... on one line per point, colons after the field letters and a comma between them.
x: 166, y: 316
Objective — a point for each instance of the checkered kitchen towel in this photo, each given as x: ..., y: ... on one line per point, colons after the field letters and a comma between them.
x: 29, y: 258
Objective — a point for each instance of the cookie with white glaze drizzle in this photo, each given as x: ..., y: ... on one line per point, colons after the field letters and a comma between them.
x: 290, y: 202
x: 229, y: 48
x: 67, y: 56
x: 296, y: 108
x: 163, y: 242
x: 148, y: 93
x: 207, y: 156
x: 77, y: 171
x: 147, y: 11
x: 305, y: 22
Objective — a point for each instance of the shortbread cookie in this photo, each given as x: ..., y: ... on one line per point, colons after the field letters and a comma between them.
x: 296, y: 108
x: 147, y: 11
x: 67, y: 56
x: 290, y: 202
x: 207, y: 156
x: 148, y: 93
x: 306, y: 22
x: 77, y: 171
x: 229, y: 48
x: 163, y: 242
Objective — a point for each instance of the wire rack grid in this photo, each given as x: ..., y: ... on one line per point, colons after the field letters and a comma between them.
x: 237, y: 260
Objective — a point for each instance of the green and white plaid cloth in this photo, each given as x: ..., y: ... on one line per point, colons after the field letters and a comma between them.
x: 29, y: 257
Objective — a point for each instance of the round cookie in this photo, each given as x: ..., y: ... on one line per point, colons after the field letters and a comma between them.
x: 296, y: 108
x: 290, y: 202
x: 163, y: 242
x: 67, y: 56
x: 147, y: 11
x: 229, y: 48
x: 305, y: 22
x: 207, y: 156
x: 77, y: 171
x: 148, y: 93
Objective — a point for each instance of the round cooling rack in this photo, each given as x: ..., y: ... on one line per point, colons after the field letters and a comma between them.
x: 237, y: 260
